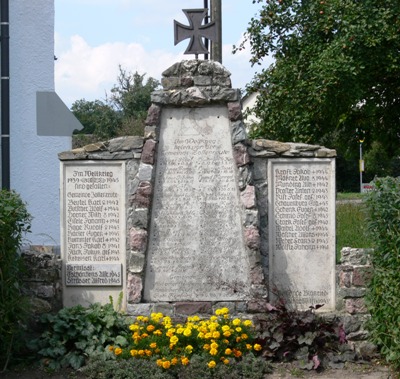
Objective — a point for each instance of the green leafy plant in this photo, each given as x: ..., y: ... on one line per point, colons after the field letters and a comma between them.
x: 383, y: 293
x: 77, y: 333
x: 14, y: 223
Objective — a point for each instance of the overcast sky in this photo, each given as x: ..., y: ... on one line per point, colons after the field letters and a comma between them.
x: 93, y: 37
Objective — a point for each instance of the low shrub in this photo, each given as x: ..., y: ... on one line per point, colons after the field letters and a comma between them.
x: 383, y: 298
x: 302, y: 336
x: 74, y: 334
x: 14, y: 223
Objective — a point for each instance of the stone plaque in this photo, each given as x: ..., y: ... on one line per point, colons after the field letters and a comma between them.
x: 302, y: 231
x: 196, y: 244
x: 93, y: 275
x: 93, y: 230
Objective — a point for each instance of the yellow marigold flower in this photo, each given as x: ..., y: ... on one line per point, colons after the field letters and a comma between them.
x: 174, y: 361
x: 208, y: 335
x: 133, y: 353
x: 238, y: 329
x: 170, y: 333
x: 139, y: 318
x: 225, y: 328
x: 236, y: 322
x: 228, y: 351
x: 247, y: 323
x: 180, y: 330
x: 149, y: 353
x: 111, y: 348
x: 218, y: 312
x: 201, y: 335
x: 225, y: 311
x: 157, y: 332
x: 225, y: 341
x: 166, y: 364
x: 225, y: 361
x: 257, y: 347
x: 248, y: 346
x: 244, y: 336
x: 153, y: 345
x: 150, y: 328
x: 133, y: 327
x: 216, y: 334
x: 159, y: 362
x: 117, y: 351
x: 213, y: 351
x: 174, y: 340
x: 185, y: 361
x: 187, y: 332
x: 213, y: 318
x: 206, y: 346
x: 144, y: 335
x: 211, y: 364
x: 189, y: 348
x: 227, y: 333
x: 141, y: 352
x: 214, y: 345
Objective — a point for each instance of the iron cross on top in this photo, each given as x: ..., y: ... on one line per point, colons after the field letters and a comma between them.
x: 196, y: 31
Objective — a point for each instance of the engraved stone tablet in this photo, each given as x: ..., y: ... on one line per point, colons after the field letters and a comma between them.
x: 196, y: 246
x: 302, y: 231
x: 93, y: 230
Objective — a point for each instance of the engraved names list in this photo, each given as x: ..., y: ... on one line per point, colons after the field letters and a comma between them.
x: 302, y: 231
x: 196, y: 248
x: 93, y: 223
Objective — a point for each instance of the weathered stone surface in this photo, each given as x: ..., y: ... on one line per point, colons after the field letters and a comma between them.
x: 145, y: 172
x: 134, y: 288
x: 257, y: 275
x: 240, y: 155
x: 153, y: 115
x: 136, y: 262
x: 345, y: 279
x: 272, y: 146
x: 358, y: 257
x: 148, y: 152
x: 355, y: 306
x: 248, y: 197
x: 125, y: 144
x: 143, y: 195
x: 192, y: 308
x: 138, y: 239
x: 238, y: 132
x: 234, y: 111
x: 362, y: 276
x: 40, y: 306
x: 139, y: 309
x: 252, y: 238
x: 301, y: 201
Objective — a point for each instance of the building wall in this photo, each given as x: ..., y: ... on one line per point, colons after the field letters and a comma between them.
x: 34, y: 162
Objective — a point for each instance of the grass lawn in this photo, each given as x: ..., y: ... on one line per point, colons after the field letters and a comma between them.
x: 351, y: 223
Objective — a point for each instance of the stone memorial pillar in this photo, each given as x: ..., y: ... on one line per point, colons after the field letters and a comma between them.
x: 203, y: 235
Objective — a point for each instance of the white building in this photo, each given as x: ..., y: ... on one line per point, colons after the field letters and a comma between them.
x: 39, y: 125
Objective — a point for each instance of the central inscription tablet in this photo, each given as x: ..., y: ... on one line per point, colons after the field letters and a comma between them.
x: 196, y: 246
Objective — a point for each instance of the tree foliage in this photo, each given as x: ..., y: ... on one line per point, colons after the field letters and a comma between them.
x: 337, y: 68
x: 122, y: 112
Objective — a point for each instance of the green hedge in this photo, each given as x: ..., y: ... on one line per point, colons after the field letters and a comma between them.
x: 383, y: 297
x: 14, y: 223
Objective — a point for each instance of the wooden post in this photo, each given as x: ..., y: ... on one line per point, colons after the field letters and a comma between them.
x: 216, y: 15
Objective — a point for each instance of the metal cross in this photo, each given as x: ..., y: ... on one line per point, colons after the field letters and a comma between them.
x: 196, y: 31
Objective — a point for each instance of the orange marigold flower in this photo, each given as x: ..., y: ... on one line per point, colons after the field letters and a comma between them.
x: 159, y: 362
x: 150, y: 328
x: 153, y: 345
x: 174, y: 361
x: 166, y: 364
x: 133, y: 353
x: 216, y: 334
x: 228, y: 351
x: 237, y: 353
x: 244, y: 336
x: 111, y: 348
x: 227, y: 334
x: 225, y: 361
x: 117, y: 351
